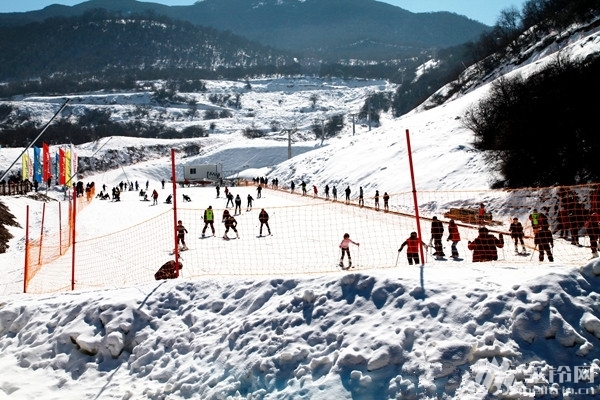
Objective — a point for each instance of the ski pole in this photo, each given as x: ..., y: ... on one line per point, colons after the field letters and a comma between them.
x: 533, y: 251
x: 397, y: 259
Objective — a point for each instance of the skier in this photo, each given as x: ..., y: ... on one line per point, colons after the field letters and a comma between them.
x: 537, y: 220
x: 292, y: 186
x: 345, y: 246
x: 347, y: 195
x: 437, y: 232
x: 209, y: 219
x: 377, y: 200
x: 361, y: 199
x: 484, y: 246
x: 229, y: 199
x: 238, y: 205
x: 592, y: 228
x: 259, y: 192
x: 516, y: 233
x: 263, y: 217
x: 315, y: 191
x: 230, y: 223
x: 327, y: 192
x: 334, y: 193
x: 154, y: 197
x: 250, y: 199
x: 544, y: 241
x: 181, y: 231
x: 454, y: 237
x: 412, y: 248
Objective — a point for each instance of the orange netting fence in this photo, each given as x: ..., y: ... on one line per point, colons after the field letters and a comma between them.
x: 306, y: 233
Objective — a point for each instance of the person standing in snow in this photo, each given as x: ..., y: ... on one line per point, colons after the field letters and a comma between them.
x: 315, y: 191
x: 377, y: 200
x: 230, y: 223
x: 481, y: 214
x: 386, y: 202
x: 181, y: 231
x: 154, y: 197
x: 454, y: 237
x: 250, y: 200
x: 209, y: 219
x: 437, y: 232
x: 345, y: 246
x: 263, y: 218
x: 334, y: 193
x: 347, y: 195
x: 516, y: 233
x: 484, y: 246
x: 326, y: 192
x: 592, y: 229
x: 229, y: 199
x: 544, y: 241
x: 292, y: 186
x: 361, y: 199
x: 412, y: 248
x: 238, y: 205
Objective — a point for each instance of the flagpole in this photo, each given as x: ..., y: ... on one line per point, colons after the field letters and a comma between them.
x: 34, y: 140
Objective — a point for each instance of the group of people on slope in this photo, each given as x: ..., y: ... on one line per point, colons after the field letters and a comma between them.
x: 334, y: 192
x: 485, y: 245
x: 231, y: 223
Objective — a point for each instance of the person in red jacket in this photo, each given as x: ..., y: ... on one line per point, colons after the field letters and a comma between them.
x: 412, y: 248
x: 484, y: 246
x: 454, y: 237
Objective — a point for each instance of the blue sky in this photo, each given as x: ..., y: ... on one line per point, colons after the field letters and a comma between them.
x: 485, y: 11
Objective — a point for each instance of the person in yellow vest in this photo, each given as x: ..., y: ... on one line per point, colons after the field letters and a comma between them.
x: 534, y: 218
x: 209, y: 219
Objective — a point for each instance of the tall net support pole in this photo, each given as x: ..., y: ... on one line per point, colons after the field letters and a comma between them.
x: 414, y: 192
x: 42, y: 234
x: 73, y: 242
x: 174, y: 181
x: 25, y: 277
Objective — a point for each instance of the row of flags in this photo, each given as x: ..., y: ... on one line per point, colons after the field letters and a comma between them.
x: 39, y: 168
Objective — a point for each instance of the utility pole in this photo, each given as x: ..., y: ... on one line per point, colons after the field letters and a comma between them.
x: 289, y: 143
x: 369, y: 113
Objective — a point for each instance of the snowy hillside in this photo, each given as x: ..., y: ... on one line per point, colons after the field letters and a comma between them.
x: 457, y: 330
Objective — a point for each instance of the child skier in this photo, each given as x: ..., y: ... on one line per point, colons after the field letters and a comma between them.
x: 412, y: 248
x: 345, y: 246
x: 181, y: 231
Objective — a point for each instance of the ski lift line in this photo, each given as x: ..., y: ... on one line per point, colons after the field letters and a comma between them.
x: 92, y: 156
x: 36, y: 138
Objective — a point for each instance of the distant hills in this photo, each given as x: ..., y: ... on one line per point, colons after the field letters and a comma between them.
x: 329, y: 30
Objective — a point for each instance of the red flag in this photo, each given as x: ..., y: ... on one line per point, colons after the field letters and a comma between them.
x: 46, y: 163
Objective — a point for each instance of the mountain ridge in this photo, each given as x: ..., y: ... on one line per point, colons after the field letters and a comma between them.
x: 326, y: 28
